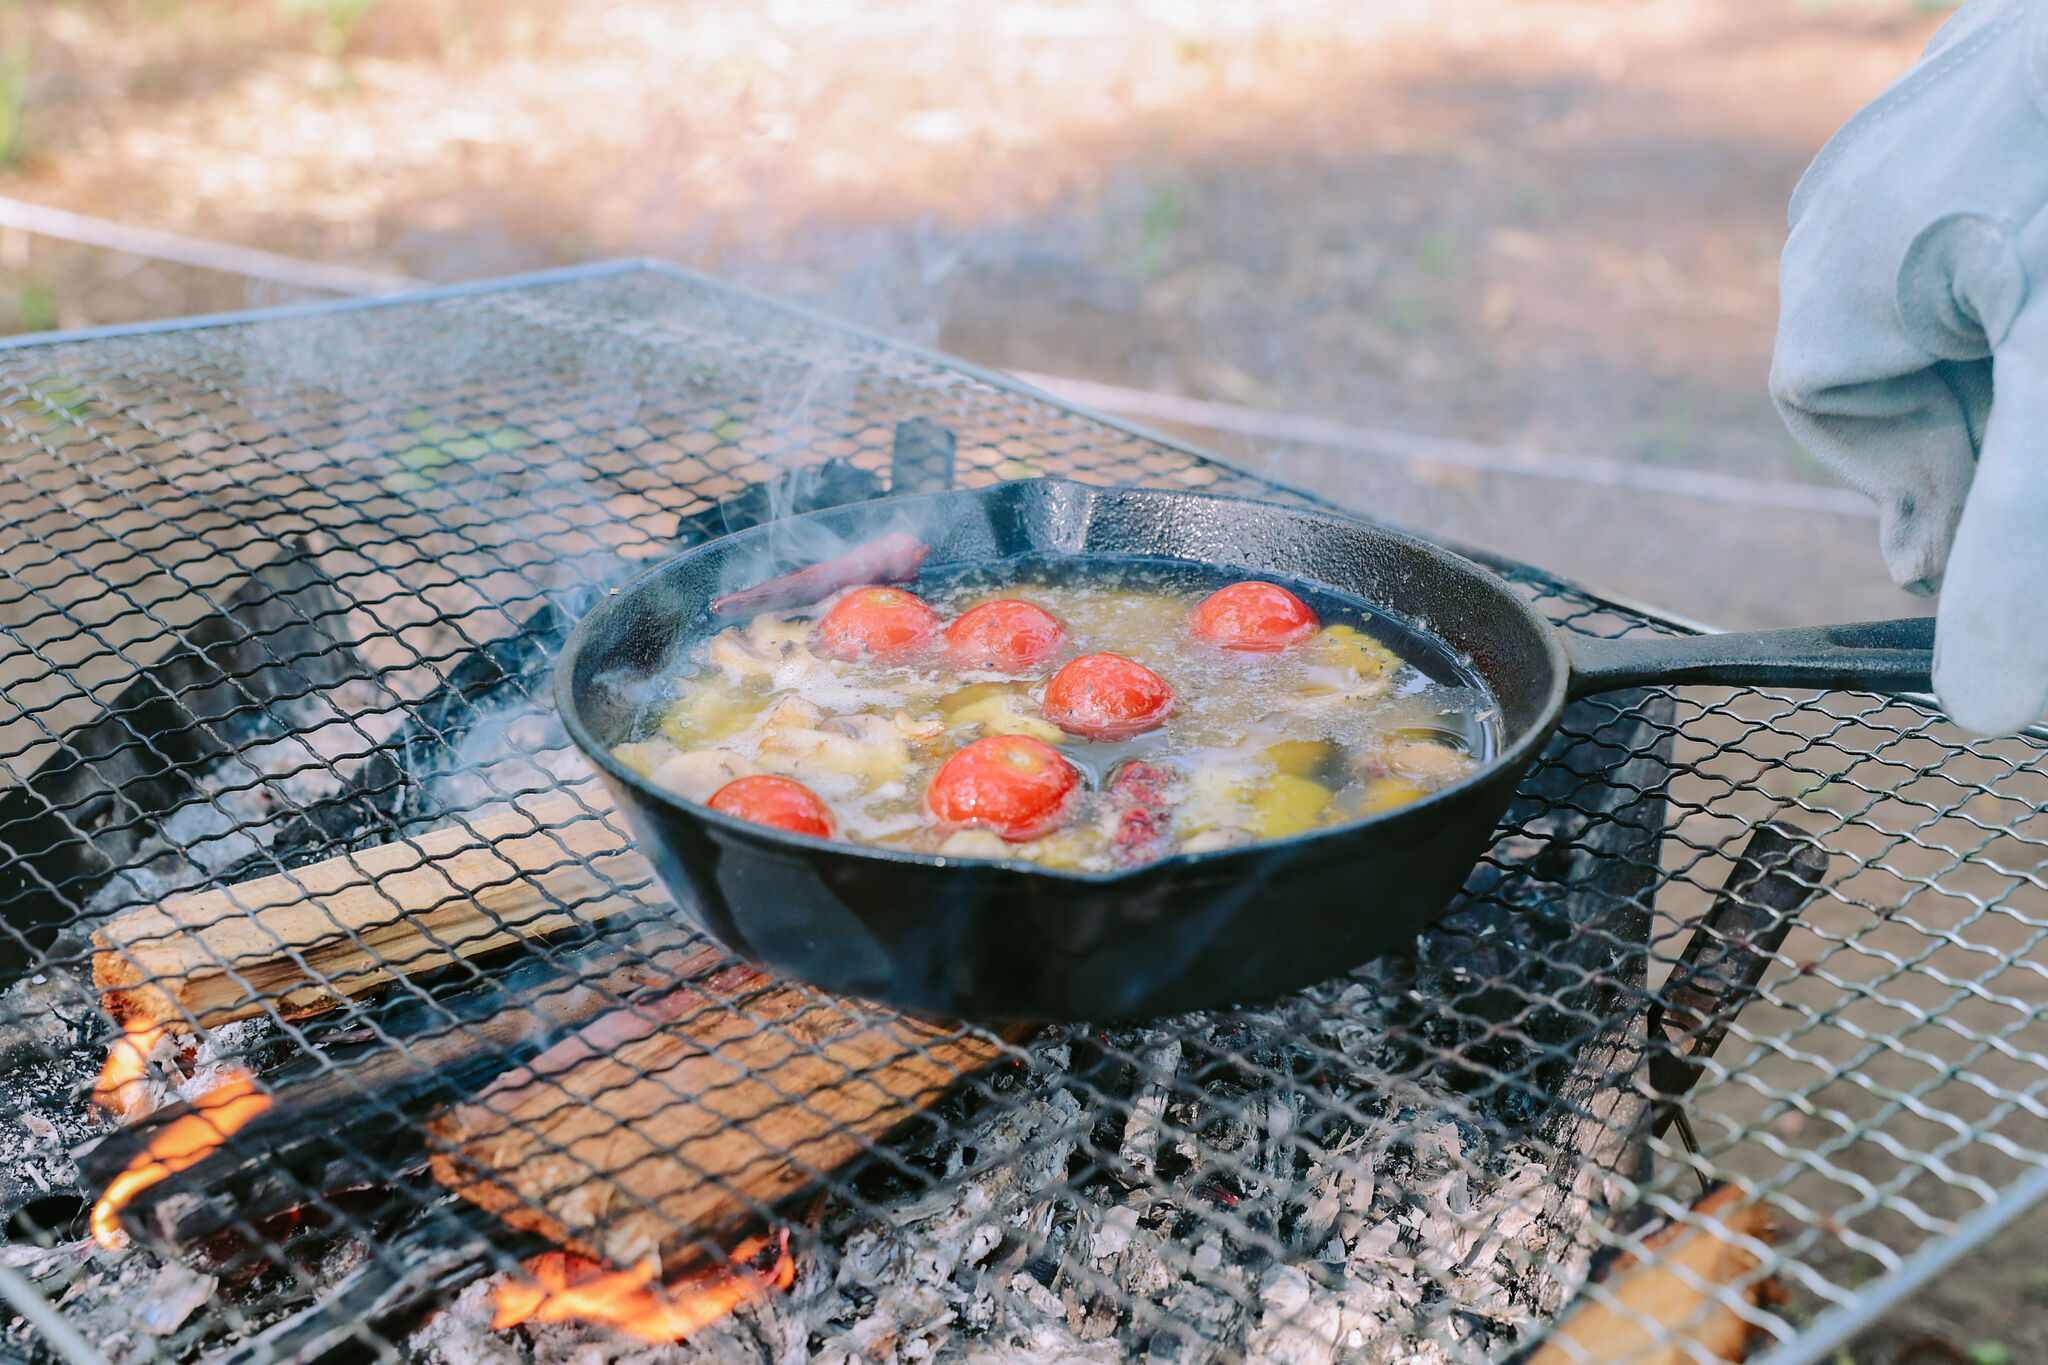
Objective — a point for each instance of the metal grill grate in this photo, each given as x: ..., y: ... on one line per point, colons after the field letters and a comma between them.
x: 281, y: 589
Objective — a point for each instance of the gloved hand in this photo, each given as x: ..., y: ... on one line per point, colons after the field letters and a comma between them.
x: 1915, y: 288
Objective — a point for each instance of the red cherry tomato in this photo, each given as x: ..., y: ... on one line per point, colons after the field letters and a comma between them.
x: 1008, y: 636
x: 886, y: 623
x: 1253, y: 616
x: 777, y: 802
x: 1106, y: 696
x: 1018, y: 786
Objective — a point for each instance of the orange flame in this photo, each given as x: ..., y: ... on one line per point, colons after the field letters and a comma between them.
x: 183, y: 1142
x: 565, y: 1287
x: 123, y: 1086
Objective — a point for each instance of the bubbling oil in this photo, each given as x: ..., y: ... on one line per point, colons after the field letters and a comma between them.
x: 1370, y: 714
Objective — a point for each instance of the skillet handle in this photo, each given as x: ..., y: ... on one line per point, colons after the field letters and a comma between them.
x: 1869, y: 656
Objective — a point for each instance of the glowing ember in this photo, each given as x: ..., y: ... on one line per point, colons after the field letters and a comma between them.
x: 183, y: 1142
x: 123, y: 1087
x: 564, y: 1287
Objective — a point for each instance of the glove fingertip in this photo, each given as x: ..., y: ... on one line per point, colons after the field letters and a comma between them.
x: 1985, y: 698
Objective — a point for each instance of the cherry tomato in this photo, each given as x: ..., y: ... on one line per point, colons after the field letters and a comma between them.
x: 1018, y: 786
x: 1253, y: 616
x: 777, y: 802
x: 886, y: 623
x: 1106, y: 696
x: 1008, y: 636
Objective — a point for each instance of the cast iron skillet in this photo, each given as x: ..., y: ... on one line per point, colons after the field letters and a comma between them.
x: 992, y: 940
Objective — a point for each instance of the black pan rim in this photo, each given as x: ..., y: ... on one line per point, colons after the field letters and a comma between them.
x: 1518, y: 753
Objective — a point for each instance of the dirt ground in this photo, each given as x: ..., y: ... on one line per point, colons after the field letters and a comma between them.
x: 1539, y: 223
x: 1544, y: 223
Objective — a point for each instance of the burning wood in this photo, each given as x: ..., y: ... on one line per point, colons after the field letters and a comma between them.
x: 683, y: 1120
x: 303, y: 940
x: 123, y: 1085
x: 1127, y: 1185
x: 332, y: 1118
x: 891, y: 558
x: 560, y: 1286
x: 178, y: 1145
x: 299, y: 942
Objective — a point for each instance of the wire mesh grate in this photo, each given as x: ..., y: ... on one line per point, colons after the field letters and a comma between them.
x: 285, y: 590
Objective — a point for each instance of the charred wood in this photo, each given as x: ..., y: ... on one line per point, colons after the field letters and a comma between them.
x: 411, y: 780
x: 351, y: 1115
x: 921, y: 458
x: 91, y: 807
x: 402, y: 1279
x: 1778, y: 873
x: 834, y: 483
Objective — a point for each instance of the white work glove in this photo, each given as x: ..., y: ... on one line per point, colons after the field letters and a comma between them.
x: 1906, y: 299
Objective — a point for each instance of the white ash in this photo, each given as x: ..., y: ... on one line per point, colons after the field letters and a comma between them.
x: 135, y: 1307
x: 1187, y: 1218
x: 515, y: 755
x: 235, y: 814
x: 50, y: 1054
x: 173, y: 1295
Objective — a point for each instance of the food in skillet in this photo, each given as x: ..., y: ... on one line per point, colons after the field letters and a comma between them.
x: 1086, y: 725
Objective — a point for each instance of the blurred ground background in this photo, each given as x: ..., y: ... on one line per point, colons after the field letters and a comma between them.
x: 1548, y: 225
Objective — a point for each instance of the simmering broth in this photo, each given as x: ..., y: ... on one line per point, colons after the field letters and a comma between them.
x: 1359, y: 715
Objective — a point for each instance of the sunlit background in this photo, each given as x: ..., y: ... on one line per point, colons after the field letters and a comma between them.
x: 1502, y: 270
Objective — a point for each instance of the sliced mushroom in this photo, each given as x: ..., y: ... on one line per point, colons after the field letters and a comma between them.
x: 917, y: 731
x: 645, y: 755
x: 789, y: 714
x: 1216, y: 837
x: 1006, y: 713
x: 863, y: 746
x: 1423, y: 761
x: 697, y: 774
x: 739, y: 657
x: 976, y: 843
x: 1325, y: 689
x: 770, y: 632
x: 798, y: 669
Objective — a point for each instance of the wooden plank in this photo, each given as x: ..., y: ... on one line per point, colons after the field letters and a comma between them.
x: 301, y: 941
x: 668, y: 1128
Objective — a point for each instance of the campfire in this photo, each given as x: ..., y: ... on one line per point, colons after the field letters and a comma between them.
x: 123, y: 1085
x: 179, y: 1145
x: 605, y: 1127
x: 348, y: 1015
x: 696, y: 1146
x: 566, y: 1287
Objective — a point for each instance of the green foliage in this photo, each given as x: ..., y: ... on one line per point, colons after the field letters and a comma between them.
x: 440, y: 446
x: 14, y: 69
x: 1672, y: 443
x: 1437, y: 253
x: 1159, y: 220
x: 334, y: 21
x: 1990, y: 1353
x: 1408, y: 313
x: 35, y: 307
